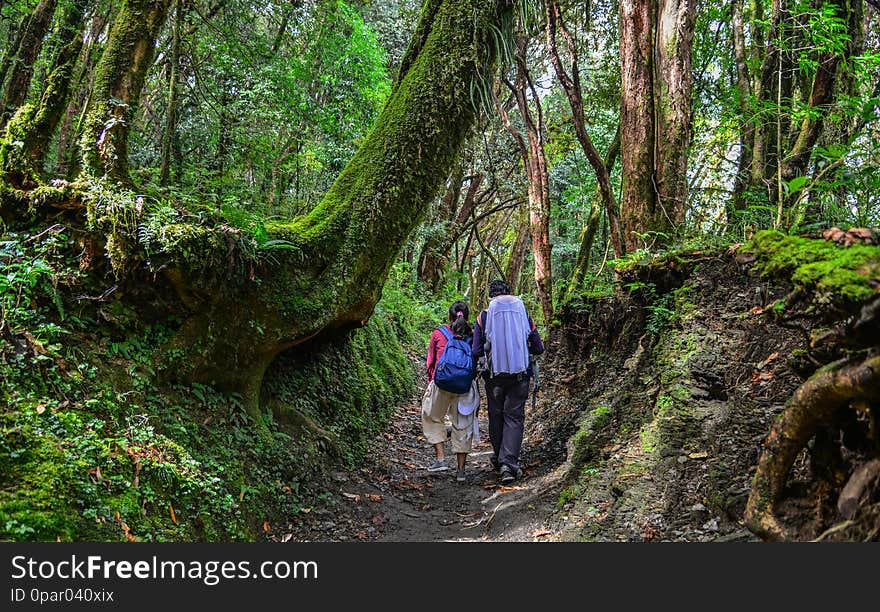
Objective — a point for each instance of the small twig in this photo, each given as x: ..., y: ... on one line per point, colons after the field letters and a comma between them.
x: 489, y: 522
x: 99, y: 298
x: 54, y: 229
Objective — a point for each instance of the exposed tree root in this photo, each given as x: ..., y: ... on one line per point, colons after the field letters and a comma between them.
x: 812, y: 406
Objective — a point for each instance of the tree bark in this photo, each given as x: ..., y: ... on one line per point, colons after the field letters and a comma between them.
x: 738, y: 201
x: 638, y: 208
x: 517, y: 255
x: 673, y: 88
x: 656, y: 84
x: 119, y: 79
x: 169, y: 135
x: 66, y: 151
x: 16, y: 90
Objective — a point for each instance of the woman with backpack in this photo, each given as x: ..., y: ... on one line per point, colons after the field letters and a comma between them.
x: 451, y: 390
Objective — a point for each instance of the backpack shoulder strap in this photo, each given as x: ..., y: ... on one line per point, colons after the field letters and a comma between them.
x: 445, y: 331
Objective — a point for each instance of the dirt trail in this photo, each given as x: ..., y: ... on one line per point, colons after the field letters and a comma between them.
x: 394, y: 498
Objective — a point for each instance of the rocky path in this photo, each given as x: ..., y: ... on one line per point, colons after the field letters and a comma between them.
x: 393, y: 497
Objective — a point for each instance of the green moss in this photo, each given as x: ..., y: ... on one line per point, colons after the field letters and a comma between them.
x: 649, y: 438
x: 819, y: 265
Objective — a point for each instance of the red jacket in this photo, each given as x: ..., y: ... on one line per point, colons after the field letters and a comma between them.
x: 435, y: 349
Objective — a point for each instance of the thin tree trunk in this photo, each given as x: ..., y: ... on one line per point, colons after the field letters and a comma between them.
x: 119, y: 79
x: 168, y: 136
x: 738, y: 202
x: 535, y: 162
x: 435, y: 250
x: 821, y: 97
x: 572, y: 86
x: 588, y: 233
x: 517, y: 255
x: 19, y: 82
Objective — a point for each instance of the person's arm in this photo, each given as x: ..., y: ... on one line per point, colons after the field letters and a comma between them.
x: 536, y: 345
x: 432, y: 354
x: 478, y: 340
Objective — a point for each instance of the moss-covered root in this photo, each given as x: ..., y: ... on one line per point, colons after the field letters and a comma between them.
x: 812, y: 406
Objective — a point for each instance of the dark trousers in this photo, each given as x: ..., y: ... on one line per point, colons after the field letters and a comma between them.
x: 506, y: 401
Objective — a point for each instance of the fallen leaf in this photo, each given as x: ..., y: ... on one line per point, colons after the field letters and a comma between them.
x: 173, y: 516
x: 361, y: 535
x: 355, y: 498
x: 305, y: 510
x: 374, y: 497
x: 541, y: 534
x: 756, y: 310
x: 761, y: 376
x: 126, y: 531
x: 41, y: 408
x: 266, y: 526
x: 701, y: 455
x: 768, y: 360
x: 286, y: 537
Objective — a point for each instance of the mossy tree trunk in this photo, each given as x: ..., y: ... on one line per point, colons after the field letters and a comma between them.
x: 30, y: 43
x: 34, y: 126
x: 169, y: 134
x: 116, y: 89
x: 66, y: 152
x: 330, y: 277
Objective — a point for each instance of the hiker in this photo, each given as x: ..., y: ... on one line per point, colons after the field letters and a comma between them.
x: 451, y: 365
x: 505, y: 336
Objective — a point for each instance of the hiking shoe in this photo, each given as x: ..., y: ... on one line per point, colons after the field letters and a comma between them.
x: 438, y: 466
x: 459, y: 476
x: 496, y: 465
x: 507, y: 475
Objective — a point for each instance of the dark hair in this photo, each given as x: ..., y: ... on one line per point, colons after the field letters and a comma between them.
x: 498, y: 287
x: 458, y: 316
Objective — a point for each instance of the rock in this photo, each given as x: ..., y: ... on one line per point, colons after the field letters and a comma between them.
x: 698, y: 508
x: 711, y: 525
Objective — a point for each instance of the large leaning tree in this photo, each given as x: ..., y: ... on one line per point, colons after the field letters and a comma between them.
x: 317, y: 275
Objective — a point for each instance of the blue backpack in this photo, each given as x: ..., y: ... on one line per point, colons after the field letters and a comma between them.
x: 455, y: 371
